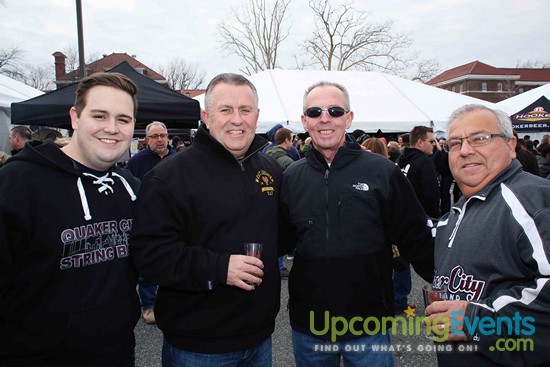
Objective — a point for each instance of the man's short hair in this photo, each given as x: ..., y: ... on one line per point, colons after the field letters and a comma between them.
x: 281, y: 135
x: 325, y: 83
x: 113, y: 80
x: 504, y: 122
x: 419, y: 133
x: 545, y: 151
x: 23, y: 132
x: 155, y: 123
x: 227, y: 78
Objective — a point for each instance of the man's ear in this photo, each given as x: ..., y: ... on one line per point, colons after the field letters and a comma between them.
x: 74, y: 118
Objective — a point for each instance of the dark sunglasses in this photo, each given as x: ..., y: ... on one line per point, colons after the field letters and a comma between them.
x: 332, y: 111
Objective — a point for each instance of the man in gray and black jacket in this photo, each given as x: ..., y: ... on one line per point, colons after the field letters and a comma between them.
x: 492, y: 250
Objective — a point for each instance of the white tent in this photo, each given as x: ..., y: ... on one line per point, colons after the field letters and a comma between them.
x: 378, y: 100
x: 11, y: 91
x: 520, y: 101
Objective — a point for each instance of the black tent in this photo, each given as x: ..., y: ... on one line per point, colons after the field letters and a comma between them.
x: 155, y: 102
x: 535, y: 117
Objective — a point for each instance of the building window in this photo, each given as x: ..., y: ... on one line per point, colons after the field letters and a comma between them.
x: 460, y: 88
x: 453, y: 88
x: 499, y: 86
x: 484, y: 86
x: 520, y: 90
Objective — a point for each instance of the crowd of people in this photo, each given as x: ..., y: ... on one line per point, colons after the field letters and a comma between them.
x: 353, y: 212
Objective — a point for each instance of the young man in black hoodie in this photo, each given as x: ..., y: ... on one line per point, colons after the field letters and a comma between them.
x: 195, y: 212
x: 67, y: 290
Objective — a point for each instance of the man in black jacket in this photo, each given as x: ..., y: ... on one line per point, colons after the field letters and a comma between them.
x: 343, y: 208
x: 194, y: 214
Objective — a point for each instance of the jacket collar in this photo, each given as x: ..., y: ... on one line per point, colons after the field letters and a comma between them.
x: 513, y: 169
x: 345, y: 154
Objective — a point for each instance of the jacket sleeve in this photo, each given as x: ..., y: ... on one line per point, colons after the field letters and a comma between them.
x: 408, y: 226
x: 526, y: 304
x: 287, y: 236
x: 158, y: 250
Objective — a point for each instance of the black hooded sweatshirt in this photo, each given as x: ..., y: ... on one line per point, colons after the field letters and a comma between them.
x: 67, y: 290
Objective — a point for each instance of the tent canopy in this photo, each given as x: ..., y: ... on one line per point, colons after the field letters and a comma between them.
x: 11, y: 91
x: 379, y: 101
x: 535, y: 117
x: 155, y: 102
x: 522, y: 100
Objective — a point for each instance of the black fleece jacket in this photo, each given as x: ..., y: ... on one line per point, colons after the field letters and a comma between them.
x: 196, y: 209
x: 343, y: 220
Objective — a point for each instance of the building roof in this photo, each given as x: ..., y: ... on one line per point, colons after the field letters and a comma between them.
x: 479, y: 68
x: 191, y: 93
x: 110, y: 61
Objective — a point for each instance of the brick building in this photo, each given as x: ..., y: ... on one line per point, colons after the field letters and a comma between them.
x: 486, y: 82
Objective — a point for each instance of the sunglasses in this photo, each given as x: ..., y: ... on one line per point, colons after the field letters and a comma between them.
x: 332, y: 111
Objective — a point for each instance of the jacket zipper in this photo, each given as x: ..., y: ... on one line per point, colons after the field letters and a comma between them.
x: 327, y: 206
x: 462, y: 212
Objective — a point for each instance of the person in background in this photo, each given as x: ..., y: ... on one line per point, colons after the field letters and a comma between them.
x: 544, y: 162
x: 294, y: 153
x: 440, y: 160
x: 394, y: 151
x: 195, y: 211
x: 281, y: 153
x: 526, y: 158
x: 377, y: 146
x: 158, y: 148
x: 420, y: 171
x: 497, y: 281
x: 342, y: 208
x: 19, y: 135
x: 67, y: 289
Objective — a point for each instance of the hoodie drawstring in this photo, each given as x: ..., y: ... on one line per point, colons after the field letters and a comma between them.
x: 105, y: 182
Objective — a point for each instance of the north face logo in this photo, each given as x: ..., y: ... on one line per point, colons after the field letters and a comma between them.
x: 361, y: 186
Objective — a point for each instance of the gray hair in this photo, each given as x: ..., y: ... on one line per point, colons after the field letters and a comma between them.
x: 155, y: 123
x: 324, y: 83
x: 504, y: 122
x: 228, y: 78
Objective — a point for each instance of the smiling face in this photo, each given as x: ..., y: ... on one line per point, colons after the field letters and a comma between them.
x: 327, y: 132
x: 473, y: 168
x: 104, y: 129
x: 232, y: 117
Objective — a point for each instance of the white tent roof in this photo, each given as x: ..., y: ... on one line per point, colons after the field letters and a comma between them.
x: 14, y: 91
x: 11, y: 91
x: 517, y: 103
x: 378, y: 100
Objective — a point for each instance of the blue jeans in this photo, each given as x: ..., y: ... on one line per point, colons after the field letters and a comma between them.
x: 310, y: 351
x: 259, y: 356
x: 402, y: 285
x: 147, y: 293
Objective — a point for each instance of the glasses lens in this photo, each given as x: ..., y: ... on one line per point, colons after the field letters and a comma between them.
x: 156, y: 136
x: 336, y: 111
x: 314, y: 112
x: 332, y: 111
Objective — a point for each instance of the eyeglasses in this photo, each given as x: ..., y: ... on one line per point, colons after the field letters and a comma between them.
x: 156, y: 136
x: 474, y: 140
x: 334, y: 111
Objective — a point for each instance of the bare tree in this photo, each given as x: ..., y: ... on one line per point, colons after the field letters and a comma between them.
x: 182, y: 75
x: 425, y: 70
x: 39, y: 76
x: 255, y: 33
x: 536, y: 64
x: 346, y: 39
x: 10, y: 57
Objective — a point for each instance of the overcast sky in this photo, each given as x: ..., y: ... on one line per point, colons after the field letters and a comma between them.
x: 454, y: 32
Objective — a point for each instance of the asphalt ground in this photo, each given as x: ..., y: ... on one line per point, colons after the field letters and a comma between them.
x: 409, y: 350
